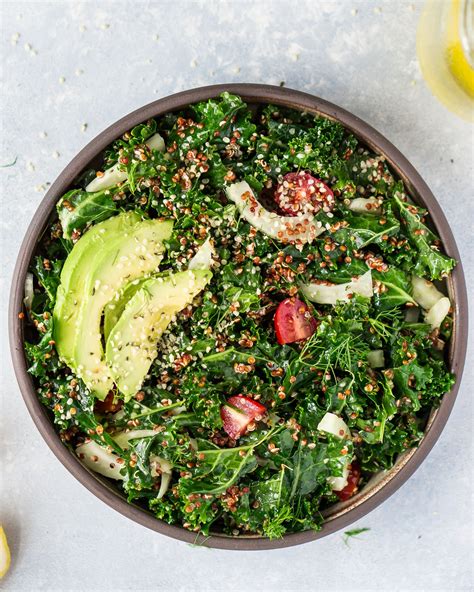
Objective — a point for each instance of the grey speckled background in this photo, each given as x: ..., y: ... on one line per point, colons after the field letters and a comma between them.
x: 72, y: 68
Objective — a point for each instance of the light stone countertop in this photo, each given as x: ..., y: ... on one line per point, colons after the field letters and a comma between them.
x: 70, y: 69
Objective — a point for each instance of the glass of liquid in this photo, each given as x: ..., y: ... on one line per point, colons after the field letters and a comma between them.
x: 445, y: 47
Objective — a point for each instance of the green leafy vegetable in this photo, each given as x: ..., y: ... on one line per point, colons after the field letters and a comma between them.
x: 431, y: 261
x: 280, y: 473
x: 78, y: 209
x: 354, y: 533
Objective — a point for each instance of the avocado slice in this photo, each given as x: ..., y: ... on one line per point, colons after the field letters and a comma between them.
x: 114, y: 309
x: 126, y: 257
x: 132, y: 343
x: 74, y: 275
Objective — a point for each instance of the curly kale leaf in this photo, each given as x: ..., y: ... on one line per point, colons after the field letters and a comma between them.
x: 266, y: 507
x: 319, y: 148
x: 42, y: 357
x: 48, y: 274
x: 396, y: 289
x: 216, y: 469
x: 360, y: 230
x: 78, y: 209
x: 420, y: 378
x: 430, y: 261
x: 135, y: 137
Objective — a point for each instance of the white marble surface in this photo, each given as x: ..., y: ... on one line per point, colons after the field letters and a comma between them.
x: 72, y: 68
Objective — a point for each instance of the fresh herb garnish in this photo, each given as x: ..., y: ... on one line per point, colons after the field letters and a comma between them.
x: 354, y: 533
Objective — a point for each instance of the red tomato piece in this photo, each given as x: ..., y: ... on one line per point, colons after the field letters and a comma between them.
x: 293, y: 321
x: 301, y: 193
x: 249, y: 406
x: 234, y: 421
x: 108, y: 405
x: 352, y: 482
x: 239, y: 413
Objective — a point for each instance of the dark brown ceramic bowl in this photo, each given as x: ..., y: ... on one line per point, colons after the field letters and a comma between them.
x: 381, y: 486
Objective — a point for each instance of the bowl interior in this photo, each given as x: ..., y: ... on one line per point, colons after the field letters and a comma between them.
x: 381, y: 485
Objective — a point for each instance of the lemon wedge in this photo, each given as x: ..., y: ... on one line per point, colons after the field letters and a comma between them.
x: 4, y: 553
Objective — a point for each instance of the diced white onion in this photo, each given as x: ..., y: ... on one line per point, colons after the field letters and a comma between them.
x: 365, y: 205
x: 99, y: 459
x: 111, y: 177
x: 123, y: 438
x: 203, y: 259
x: 437, y: 313
x: 332, y: 293
x: 425, y: 292
x: 335, y: 425
x: 338, y: 483
x: 164, y: 485
x: 159, y: 465
x: 156, y: 142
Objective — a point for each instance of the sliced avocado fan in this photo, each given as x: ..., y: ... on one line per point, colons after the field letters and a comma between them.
x: 74, y: 274
x: 128, y: 249
x: 132, y: 343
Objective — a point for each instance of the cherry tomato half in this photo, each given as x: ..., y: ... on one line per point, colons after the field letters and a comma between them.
x: 293, y: 321
x: 301, y: 193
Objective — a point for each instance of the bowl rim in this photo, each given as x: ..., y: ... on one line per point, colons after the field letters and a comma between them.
x: 390, y: 481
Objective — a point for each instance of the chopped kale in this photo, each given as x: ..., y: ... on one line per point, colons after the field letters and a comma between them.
x: 177, y: 458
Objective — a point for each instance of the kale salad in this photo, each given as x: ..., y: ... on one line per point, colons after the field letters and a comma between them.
x: 240, y: 318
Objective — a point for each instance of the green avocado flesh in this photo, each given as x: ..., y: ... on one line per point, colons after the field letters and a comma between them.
x: 74, y: 275
x: 127, y: 250
x: 132, y: 343
x: 115, y: 307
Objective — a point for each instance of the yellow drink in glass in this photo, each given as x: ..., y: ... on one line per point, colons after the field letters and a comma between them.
x: 445, y: 46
